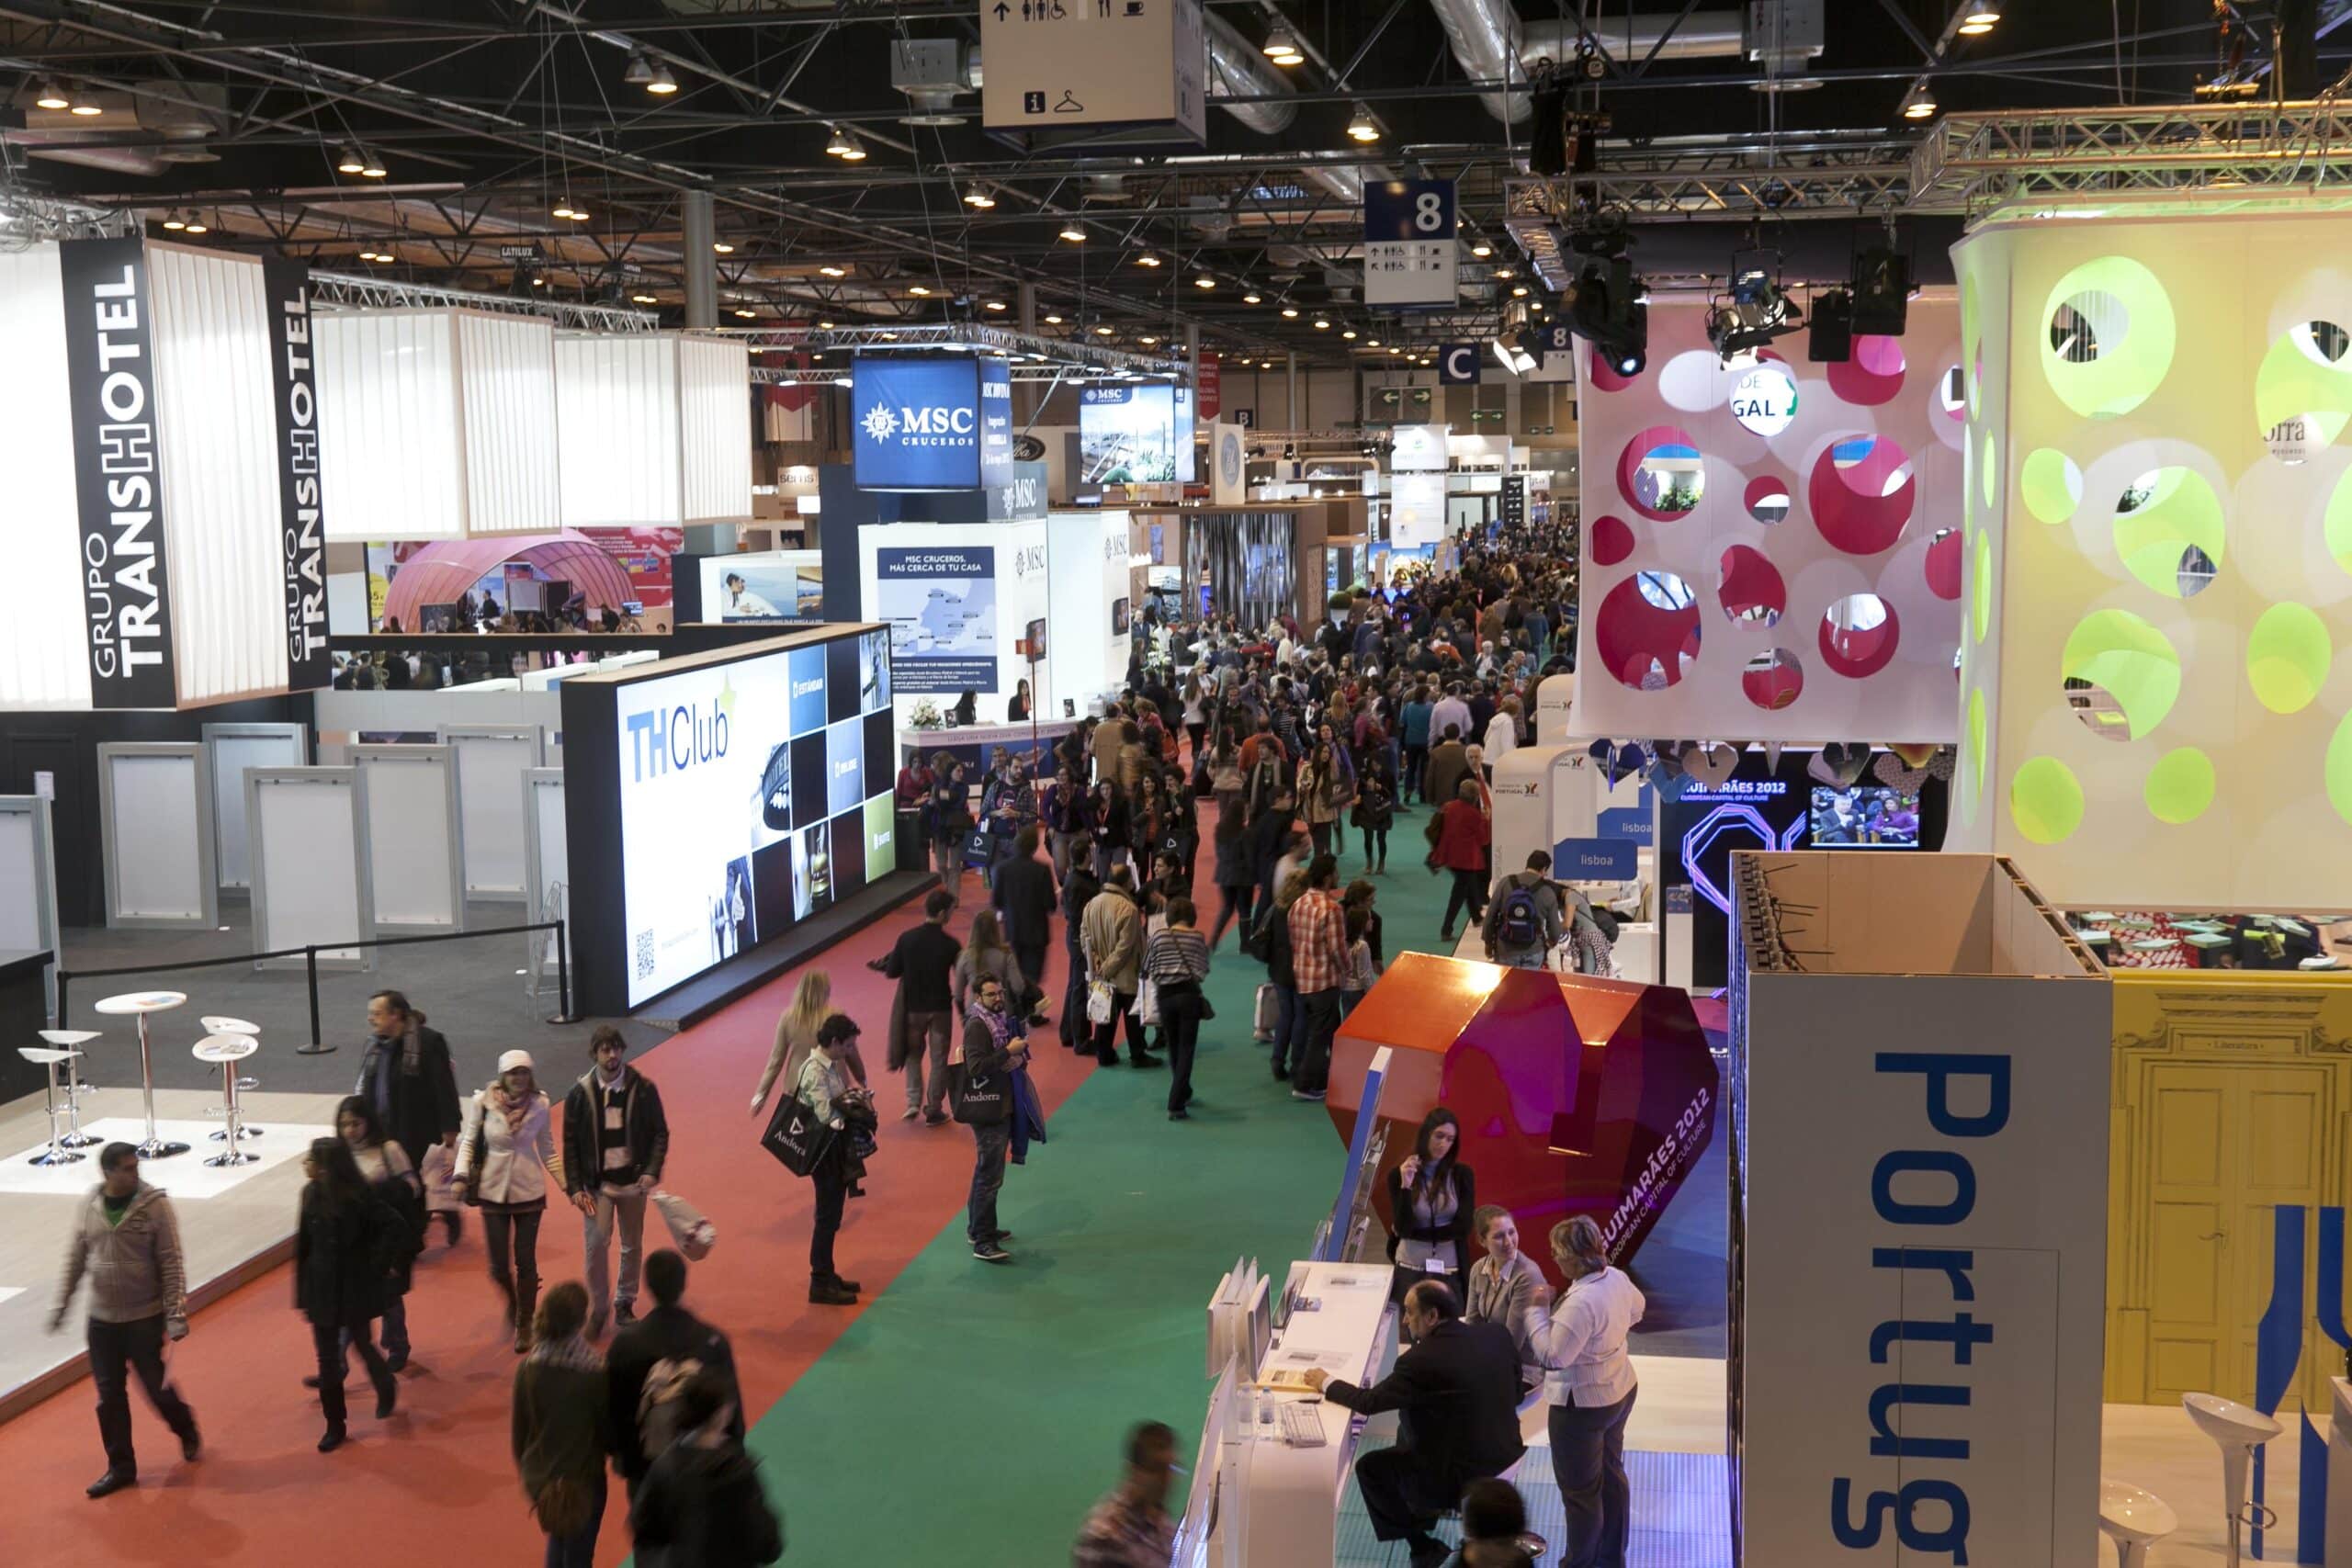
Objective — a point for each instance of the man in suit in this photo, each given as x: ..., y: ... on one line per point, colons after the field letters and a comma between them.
x: 1458, y: 1388
x: 1025, y: 898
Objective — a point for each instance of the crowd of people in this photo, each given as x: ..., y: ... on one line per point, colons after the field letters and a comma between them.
x: 1293, y: 753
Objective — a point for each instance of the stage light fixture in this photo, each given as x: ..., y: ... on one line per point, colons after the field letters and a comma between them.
x: 50, y: 95
x: 1607, y: 304
x: 1756, y: 311
x: 1362, y: 127
x: 1881, y: 291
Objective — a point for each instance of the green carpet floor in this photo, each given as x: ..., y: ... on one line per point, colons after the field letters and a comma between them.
x: 972, y: 1414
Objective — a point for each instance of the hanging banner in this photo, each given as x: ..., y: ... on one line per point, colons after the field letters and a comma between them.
x: 110, y: 375
x: 1229, y: 465
x: 931, y: 424
x: 1408, y: 253
x: 287, y: 283
x: 1208, y: 390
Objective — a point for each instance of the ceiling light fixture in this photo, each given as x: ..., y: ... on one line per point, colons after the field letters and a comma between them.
x: 995, y: 305
x: 831, y: 271
x: 1253, y: 298
x: 1205, y: 281
x: 1482, y: 250
x: 1147, y: 259
x: 174, y: 221
x: 1362, y: 127
x: 641, y: 70
x: 643, y: 299
x: 663, y: 84
x: 919, y: 290
x: 1054, y: 321
x: 1978, y: 22
x: 722, y: 247
x: 85, y: 110
x: 1290, y: 312
x: 195, y: 224
x: 1505, y: 274
x: 1348, y: 333
x: 824, y: 326
x: 746, y: 312
x: 1282, y: 46
x: 371, y: 164
x: 350, y: 162
x: 52, y: 97
x: 889, y: 337
x: 1322, y: 323
x: 977, y: 196
x: 1073, y: 233
x: 845, y: 144
x: 1918, y: 103
x: 1147, y: 340
x: 1102, y: 332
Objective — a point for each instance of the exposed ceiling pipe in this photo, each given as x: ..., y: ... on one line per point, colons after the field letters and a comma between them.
x: 1486, y: 39
x: 1701, y: 35
x: 1238, y: 68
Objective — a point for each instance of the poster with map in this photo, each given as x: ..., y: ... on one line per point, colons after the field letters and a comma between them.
x: 941, y: 603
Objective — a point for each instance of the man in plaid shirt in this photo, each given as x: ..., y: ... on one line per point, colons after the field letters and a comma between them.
x: 1318, y: 946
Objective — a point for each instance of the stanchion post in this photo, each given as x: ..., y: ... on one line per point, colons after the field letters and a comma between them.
x: 562, y: 978
x: 317, y: 1047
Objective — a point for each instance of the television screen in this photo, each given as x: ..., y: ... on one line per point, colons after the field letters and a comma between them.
x: 1867, y: 816
x: 1138, y: 434
x: 1122, y: 614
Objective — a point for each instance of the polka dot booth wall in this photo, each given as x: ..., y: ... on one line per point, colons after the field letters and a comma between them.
x: 2157, y: 559
x: 1771, y: 549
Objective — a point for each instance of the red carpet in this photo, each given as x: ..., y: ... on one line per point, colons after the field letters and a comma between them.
x: 436, y: 1481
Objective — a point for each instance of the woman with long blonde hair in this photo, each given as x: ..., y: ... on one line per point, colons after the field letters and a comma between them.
x: 795, y: 1036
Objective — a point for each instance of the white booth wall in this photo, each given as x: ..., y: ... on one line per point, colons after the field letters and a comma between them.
x: 1016, y: 555
x: 1087, y: 572
x: 652, y: 429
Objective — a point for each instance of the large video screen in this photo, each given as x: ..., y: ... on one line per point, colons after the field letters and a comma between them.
x: 773, y: 585
x: 752, y: 795
x: 1867, y: 816
x: 1135, y: 433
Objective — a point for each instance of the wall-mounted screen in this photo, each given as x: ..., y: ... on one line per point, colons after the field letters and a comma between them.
x: 752, y: 793
x: 774, y: 585
x: 1135, y: 433
x: 1122, y: 616
x: 1867, y: 816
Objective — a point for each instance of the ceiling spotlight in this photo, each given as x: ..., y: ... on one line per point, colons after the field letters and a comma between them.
x: 52, y: 97
x: 1519, y: 291
x: 1607, y: 305
x: 1147, y: 340
x: 831, y: 271
x: 919, y: 290
x: 1505, y: 274
x: 351, y: 161
x: 1054, y: 321
x: 1102, y: 332
x: 1073, y: 233
x: 1918, y: 103
x: 1205, y: 281
x: 1482, y: 250
x: 195, y: 225
x: 85, y: 110
x: 641, y: 70
x: 1322, y: 323
x: 977, y: 196
x: 1361, y: 127
x: 824, y: 326
x: 1372, y: 343
x: 1282, y: 46
x: 1756, y: 309
x: 174, y: 221
x: 662, y: 84
x: 1980, y: 21
x: 1290, y: 312
x: 722, y: 247
x: 1393, y: 349
x: 845, y: 144
x: 995, y: 305
x: 643, y: 299
x: 1348, y: 333
x: 1147, y: 259
x: 1253, y: 298
x: 746, y: 312
x: 577, y: 214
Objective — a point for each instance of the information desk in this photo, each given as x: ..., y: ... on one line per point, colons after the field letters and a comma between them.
x: 1289, y: 1497
x: 972, y: 744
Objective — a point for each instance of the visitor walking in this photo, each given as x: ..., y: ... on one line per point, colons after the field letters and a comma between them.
x: 507, y: 1152
x: 923, y: 963
x: 616, y: 1140
x: 344, y: 1243
x: 993, y: 1047
x: 1176, y: 960
x: 561, y: 1427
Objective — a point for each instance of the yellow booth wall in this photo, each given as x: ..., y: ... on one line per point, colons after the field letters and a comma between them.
x: 2232, y: 1095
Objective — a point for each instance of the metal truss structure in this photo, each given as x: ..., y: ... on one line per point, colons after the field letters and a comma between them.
x: 1032, y: 357
x: 342, y: 290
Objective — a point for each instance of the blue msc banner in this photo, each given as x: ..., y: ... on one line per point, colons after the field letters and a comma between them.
x: 941, y: 603
x: 1596, y: 859
x: 931, y: 424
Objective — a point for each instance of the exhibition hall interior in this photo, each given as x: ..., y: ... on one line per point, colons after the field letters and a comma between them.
x: 703, y: 708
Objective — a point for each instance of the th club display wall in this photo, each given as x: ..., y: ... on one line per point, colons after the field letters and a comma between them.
x: 1771, y: 550
x: 2159, y: 557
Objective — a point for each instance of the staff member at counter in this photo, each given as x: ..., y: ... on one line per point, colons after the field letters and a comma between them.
x: 1457, y: 1386
x: 1588, y: 1383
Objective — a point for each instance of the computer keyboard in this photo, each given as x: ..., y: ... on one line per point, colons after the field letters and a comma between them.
x: 1302, y: 1424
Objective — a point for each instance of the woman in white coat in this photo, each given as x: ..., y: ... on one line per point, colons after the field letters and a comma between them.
x: 1589, y: 1383
x: 508, y: 1161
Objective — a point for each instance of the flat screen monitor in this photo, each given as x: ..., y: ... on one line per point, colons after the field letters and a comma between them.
x: 1865, y: 817
x: 1134, y: 432
x: 1122, y: 616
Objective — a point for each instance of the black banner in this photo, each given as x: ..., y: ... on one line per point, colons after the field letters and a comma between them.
x: 302, y: 533
x: 110, y: 375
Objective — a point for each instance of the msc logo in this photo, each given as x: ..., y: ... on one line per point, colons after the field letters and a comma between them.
x: 935, y: 425
x: 880, y: 422
x: 662, y: 741
x: 1032, y: 559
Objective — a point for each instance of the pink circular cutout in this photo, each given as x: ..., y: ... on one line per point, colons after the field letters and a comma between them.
x: 1604, y: 377
x: 1861, y: 493
x: 1773, y: 681
x: 1858, y: 651
x: 1873, y: 376
x: 1612, y: 541
x: 1750, y: 587
x: 1769, y: 489
x: 1645, y: 645
x: 1640, y: 488
x: 1943, y: 564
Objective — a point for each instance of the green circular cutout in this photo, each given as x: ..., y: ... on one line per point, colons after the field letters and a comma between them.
x: 2287, y: 656
x: 1990, y: 474
x: 2046, y: 800
x: 1980, y: 611
x: 2116, y: 346
x: 2130, y: 659
x: 2180, y: 787
x: 2337, y: 769
x: 2164, y: 514
x: 2051, y: 485
x: 2306, y: 376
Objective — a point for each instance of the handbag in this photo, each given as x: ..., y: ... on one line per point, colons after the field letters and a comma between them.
x: 1102, y: 1003
x: 978, y: 848
x: 797, y: 1138
x: 694, y: 1233
x: 1148, y: 1001
x: 979, y: 1099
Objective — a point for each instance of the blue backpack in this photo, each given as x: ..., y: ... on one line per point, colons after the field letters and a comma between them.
x: 1522, y: 925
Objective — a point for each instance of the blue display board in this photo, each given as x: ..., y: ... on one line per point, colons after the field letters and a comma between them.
x: 931, y: 424
x: 1596, y: 859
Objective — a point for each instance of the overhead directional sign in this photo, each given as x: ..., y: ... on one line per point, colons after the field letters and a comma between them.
x: 1457, y: 365
x: 1408, y: 250
x: 1053, y: 64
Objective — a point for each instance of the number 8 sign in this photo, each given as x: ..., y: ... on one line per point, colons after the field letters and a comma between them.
x: 1408, y: 209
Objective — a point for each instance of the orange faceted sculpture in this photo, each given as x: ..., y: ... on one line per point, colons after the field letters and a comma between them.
x: 1577, y: 1096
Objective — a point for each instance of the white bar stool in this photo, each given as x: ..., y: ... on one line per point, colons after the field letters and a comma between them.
x: 2239, y: 1430
x: 74, y: 1040
x: 139, y: 1004
x: 224, y: 1051
x: 2134, y: 1520
x: 51, y: 1059
x: 215, y: 1024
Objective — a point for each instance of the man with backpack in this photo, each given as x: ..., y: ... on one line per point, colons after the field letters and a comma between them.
x: 1523, y: 915
x: 651, y: 1360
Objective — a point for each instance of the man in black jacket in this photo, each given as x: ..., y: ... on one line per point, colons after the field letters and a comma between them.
x: 1458, y: 1388
x: 1025, y: 898
x: 993, y: 1046
x: 923, y: 963
x: 667, y: 1332
x: 406, y: 1075
x: 616, y: 1140
x: 702, y: 1505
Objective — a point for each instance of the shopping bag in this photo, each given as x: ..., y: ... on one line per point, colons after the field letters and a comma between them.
x: 1102, y: 1003
x: 1147, y: 1002
x: 694, y: 1233
x: 1262, y: 1024
x: 978, y: 1098
x: 797, y: 1138
x: 978, y: 848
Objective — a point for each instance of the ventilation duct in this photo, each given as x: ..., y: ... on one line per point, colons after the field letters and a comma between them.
x: 1701, y: 35
x: 1486, y: 39
x: 1238, y: 68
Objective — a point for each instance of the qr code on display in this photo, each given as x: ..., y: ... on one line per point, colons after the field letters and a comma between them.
x: 644, y: 954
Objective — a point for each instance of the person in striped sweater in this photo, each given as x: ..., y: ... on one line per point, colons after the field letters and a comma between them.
x: 1176, y: 960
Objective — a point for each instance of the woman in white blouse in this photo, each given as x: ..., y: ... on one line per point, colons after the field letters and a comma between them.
x: 1589, y: 1383
x: 507, y: 1159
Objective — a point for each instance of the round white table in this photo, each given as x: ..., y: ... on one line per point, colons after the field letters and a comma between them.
x: 139, y: 1004
x: 74, y: 1040
x: 225, y: 1051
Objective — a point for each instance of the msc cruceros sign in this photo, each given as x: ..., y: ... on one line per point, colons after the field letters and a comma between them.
x: 931, y: 423
x: 110, y: 375
x: 303, y: 538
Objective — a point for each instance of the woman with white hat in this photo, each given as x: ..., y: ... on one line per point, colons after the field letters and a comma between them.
x: 508, y: 1159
